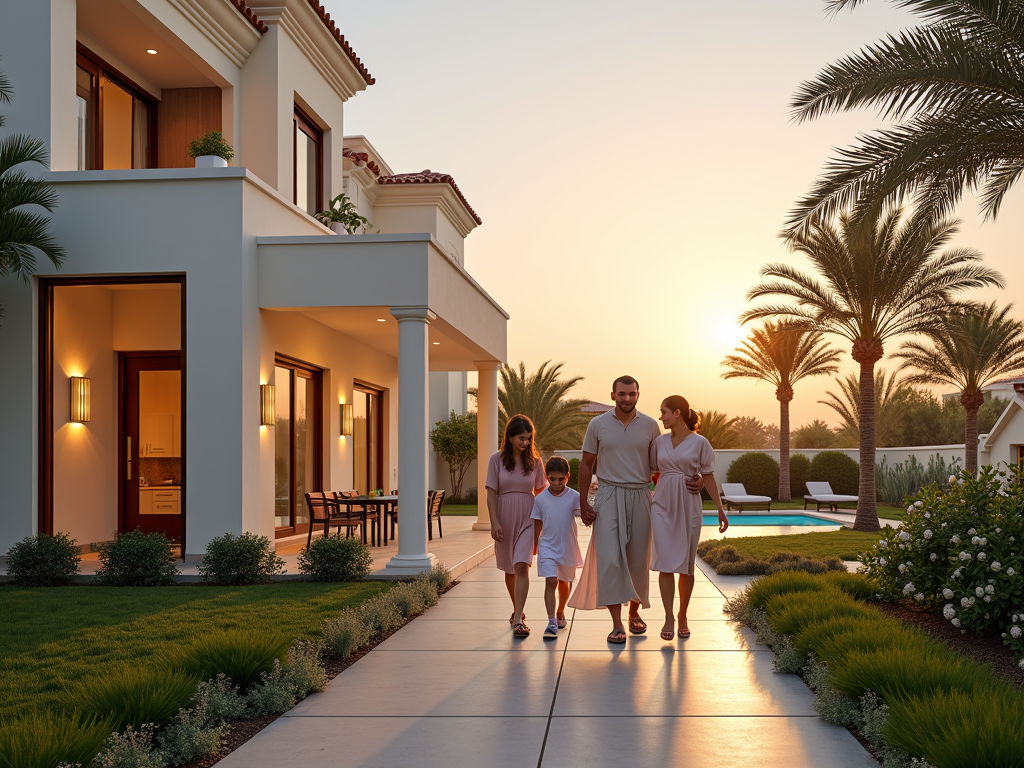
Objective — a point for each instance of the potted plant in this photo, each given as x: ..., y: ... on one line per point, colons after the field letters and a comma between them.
x: 342, y: 217
x: 211, y: 151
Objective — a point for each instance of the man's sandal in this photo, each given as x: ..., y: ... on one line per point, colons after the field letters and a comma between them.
x: 521, y: 630
x: 637, y: 625
x: 617, y: 636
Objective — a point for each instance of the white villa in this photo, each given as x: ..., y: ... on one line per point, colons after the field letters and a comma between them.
x: 209, y: 351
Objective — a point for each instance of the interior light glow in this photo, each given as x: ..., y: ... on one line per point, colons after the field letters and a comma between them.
x: 151, y: 51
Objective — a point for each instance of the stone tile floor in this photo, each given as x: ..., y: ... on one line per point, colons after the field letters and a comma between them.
x: 453, y: 688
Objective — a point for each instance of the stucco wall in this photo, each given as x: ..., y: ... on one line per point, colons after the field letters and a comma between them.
x: 1003, y: 446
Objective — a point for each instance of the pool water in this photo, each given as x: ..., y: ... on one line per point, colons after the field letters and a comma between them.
x: 749, y: 519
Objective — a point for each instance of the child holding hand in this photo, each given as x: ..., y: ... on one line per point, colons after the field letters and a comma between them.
x: 555, y: 510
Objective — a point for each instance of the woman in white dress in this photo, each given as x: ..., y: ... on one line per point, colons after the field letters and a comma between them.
x: 676, y: 513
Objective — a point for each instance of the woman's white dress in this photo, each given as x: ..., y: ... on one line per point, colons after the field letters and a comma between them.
x: 677, y: 514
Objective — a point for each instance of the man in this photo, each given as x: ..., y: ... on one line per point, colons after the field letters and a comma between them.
x: 616, y: 569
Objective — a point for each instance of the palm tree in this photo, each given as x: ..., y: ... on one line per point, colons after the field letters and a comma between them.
x: 954, y: 86
x: 22, y: 232
x: 892, y: 402
x: 972, y: 348
x: 557, y: 419
x: 782, y: 354
x: 718, y: 429
x: 881, y: 278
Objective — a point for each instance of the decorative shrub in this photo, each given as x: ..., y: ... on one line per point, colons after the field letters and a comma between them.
x: 219, y: 699
x: 131, y: 749
x: 303, y: 669
x: 136, y: 559
x: 242, y: 656
x: 440, y: 577
x: 42, y: 739
x: 763, y: 590
x: 799, y: 474
x: 758, y: 472
x: 789, y: 613
x: 272, y: 695
x: 901, y: 481
x: 856, y: 585
x: 333, y: 558
x: 189, y: 737
x: 239, y: 561
x: 380, y: 615
x: 135, y: 695
x: 838, y: 470
x: 345, y: 633
x: 211, y: 143
x: 727, y: 561
x: 411, y: 597
x: 574, y: 474
x: 896, y: 673
x: 43, y: 560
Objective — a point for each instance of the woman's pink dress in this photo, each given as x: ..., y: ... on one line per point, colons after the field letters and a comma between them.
x: 515, y: 505
x: 677, y: 514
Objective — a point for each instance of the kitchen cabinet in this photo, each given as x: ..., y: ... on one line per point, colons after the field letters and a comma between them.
x: 159, y: 501
x: 160, y: 414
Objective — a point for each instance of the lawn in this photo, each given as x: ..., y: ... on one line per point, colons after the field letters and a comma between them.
x: 888, y: 513
x: 460, y: 510
x: 845, y: 544
x: 50, y: 638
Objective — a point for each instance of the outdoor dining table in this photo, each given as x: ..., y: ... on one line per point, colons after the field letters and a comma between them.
x: 382, y: 505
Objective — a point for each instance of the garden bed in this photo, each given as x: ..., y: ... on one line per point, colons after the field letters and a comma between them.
x: 846, y: 544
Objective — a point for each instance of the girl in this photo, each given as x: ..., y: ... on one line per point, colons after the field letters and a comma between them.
x: 514, y: 476
x: 554, y: 533
x: 676, y: 513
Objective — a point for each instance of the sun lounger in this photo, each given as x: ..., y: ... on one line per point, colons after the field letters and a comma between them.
x: 735, y: 495
x: 821, y: 495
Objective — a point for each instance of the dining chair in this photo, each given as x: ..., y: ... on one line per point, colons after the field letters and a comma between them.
x: 434, y: 501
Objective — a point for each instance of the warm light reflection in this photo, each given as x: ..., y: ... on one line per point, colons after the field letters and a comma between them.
x: 81, y: 400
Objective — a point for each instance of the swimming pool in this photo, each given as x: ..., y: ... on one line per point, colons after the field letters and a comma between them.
x: 749, y: 519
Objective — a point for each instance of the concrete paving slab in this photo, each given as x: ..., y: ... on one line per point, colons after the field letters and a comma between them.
x: 487, y: 609
x: 467, y: 635
x: 441, y: 684
x: 387, y: 742
x: 622, y: 682
x: 706, y: 636
x: 702, y: 742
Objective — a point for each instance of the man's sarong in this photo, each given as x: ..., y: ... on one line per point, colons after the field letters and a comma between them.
x: 616, y: 569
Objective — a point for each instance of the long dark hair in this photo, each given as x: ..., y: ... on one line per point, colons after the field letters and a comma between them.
x: 690, y: 416
x: 518, y: 425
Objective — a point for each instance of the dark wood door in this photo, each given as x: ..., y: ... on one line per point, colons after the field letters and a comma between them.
x: 152, y: 492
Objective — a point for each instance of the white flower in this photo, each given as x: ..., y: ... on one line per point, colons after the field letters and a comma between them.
x: 902, y: 546
x: 903, y: 568
x: 1015, y: 632
x: 965, y: 602
x: 971, y: 532
x: 947, y: 593
x: 990, y: 590
x: 964, y: 556
x: 979, y: 591
x: 933, y: 557
x: 956, y: 573
x: 999, y: 530
x: 882, y: 561
x: 1013, y: 538
x: 952, y: 478
x: 1010, y: 571
x: 928, y: 515
x: 955, y: 539
x: 943, y: 525
x: 975, y: 540
x: 949, y: 611
x: 918, y: 504
x: 927, y: 534
x: 961, y: 482
x: 1021, y: 663
x: 1015, y: 618
x: 971, y: 601
x: 883, y: 544
x: 987, y: 599
x: 908, y: 588
x: 910, y: 509
x: 904, y: 536
x: 982, y: 556
x: 996, y: 566
x: 955, y: 622
x: 919, y: 596
x: 982, y: 541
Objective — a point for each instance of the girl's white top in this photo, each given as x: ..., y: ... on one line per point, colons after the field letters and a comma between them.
x: 558, y: 533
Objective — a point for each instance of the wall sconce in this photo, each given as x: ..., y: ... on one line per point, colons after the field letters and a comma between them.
x: 80, y: 400
x: 346, y: 418
x: 267, y: 411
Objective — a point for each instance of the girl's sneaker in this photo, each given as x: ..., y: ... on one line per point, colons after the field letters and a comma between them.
x: 551, y: 632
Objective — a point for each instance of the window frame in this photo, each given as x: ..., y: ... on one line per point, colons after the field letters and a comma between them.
x: 360, y: 388
x: 301, y: 121
x: 297, y: 369
x: 99, y: 69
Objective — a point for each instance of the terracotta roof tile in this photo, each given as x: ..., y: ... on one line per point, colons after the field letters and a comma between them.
x: 361, y: 158
x: 325, y: 17
x: 430, y: 177
x: 247, y: 12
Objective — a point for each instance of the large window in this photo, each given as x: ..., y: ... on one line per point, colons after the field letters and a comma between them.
x: 116, y: 119
x: 308, y: 159
x: 367, y: 448
x: 297, y: 441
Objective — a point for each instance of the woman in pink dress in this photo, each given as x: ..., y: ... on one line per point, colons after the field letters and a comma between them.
x: 676, y: 513
x: 515, y: 474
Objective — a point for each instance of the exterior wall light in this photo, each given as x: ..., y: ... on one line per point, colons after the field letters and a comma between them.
x: 81, y: 406
x: 347, y: 413
x: 267, y: 411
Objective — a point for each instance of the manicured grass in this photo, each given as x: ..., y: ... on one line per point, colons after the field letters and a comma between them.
x: 460, y: 510
x: 886, y: 512
x: 845, y: 544
x: 51, y: 638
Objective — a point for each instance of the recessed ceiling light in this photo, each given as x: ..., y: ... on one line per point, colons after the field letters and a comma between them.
x: 436, y: 343
x: 151, y: 51
x: 381, y: 320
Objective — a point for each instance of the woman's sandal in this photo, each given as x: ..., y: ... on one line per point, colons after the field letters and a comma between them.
x: 637, y: 625
x: 521, y: 630
x: 617, y: 636
x: 668, y: 634
x: 560, y: 620
x: 512, y: 618
x: 684, y: 633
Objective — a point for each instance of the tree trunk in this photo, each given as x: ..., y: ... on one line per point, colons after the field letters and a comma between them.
x: 785, y: 494
x: 971, y: 402
x: 867, y: 354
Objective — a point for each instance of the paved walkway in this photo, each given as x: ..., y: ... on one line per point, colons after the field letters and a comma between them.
x: 453, y: 688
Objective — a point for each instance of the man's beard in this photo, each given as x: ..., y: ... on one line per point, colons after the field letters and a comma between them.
x: 627, y: 408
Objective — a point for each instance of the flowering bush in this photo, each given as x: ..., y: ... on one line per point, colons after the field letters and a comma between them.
x: 960, y: 548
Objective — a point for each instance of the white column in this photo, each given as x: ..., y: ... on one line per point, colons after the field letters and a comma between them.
x: 413, y: 437
x: 486, y: 435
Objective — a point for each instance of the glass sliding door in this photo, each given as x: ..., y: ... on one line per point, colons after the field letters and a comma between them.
x: 297, y: 452
x: 367, y: 448
x: 308, y: 159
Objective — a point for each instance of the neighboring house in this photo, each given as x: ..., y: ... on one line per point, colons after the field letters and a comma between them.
x: 593, y: 408
x: 1004, y: 388
x: 220, y: 337
x: 1004, y: 444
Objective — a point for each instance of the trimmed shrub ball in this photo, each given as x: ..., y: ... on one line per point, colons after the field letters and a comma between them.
x: 799, y: 474
x: 838, y: 470
x: 758, y: 472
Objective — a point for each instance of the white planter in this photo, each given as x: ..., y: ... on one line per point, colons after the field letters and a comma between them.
x: 211, y: 161
x: 338, y: 228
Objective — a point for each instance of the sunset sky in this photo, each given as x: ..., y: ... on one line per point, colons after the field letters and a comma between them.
x: 633, y: 164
